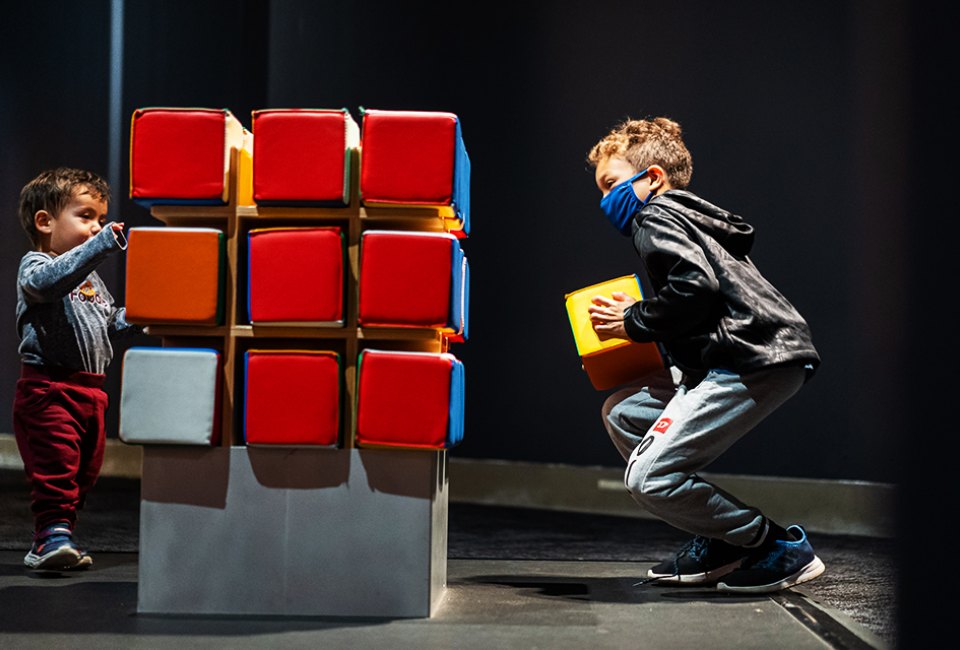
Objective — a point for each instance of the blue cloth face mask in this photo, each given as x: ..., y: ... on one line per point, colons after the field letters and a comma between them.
x: 621, y: 204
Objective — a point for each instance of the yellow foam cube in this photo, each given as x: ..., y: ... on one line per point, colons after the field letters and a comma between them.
x: 609, y: 361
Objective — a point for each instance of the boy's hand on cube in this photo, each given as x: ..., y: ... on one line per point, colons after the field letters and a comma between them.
x: 607, y: 314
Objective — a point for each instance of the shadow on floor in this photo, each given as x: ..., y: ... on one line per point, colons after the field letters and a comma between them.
x: 860, y: 580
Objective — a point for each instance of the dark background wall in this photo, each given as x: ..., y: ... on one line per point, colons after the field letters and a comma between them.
x: 797, y: 115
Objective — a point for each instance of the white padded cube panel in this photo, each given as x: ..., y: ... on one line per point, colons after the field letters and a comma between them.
x: 169, y: 396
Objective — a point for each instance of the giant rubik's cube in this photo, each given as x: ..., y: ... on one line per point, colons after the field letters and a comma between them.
x: 307, y: 282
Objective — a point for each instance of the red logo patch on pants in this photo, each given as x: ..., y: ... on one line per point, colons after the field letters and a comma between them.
x: 662, y: 425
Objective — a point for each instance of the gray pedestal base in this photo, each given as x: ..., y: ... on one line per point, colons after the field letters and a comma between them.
x: 292, y: 532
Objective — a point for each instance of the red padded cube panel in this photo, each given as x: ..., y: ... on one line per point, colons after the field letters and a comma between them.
x: 405, y: 278
x: 292, y: 397
x: 296, y: 275
x: 302, y: 156
x: 407, y: 157
x: 403, y: 399
x: 182, y: 155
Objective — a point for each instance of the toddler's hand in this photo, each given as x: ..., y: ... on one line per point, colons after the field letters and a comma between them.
x: 117, y: 229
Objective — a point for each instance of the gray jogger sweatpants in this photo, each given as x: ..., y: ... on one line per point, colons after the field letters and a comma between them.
x: 668, y: 429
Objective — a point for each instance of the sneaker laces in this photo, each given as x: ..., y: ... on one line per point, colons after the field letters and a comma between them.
x: 695, y: 548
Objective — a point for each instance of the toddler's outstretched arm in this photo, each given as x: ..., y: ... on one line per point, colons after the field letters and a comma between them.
x: 47, y: 280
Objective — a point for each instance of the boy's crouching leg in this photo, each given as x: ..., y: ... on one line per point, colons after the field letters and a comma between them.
x: 652, y: 491
x: 629, y: 413
x: 623, y: 432
x: 660, y: 482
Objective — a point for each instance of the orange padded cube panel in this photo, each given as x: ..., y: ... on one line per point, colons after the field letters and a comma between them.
x: 296, y: 276
x: 302, y: 156
x: 182, y: 155
x: 416, y: 159
x: 609, y: 361
x: 410, y: 400
x: 292, y: 397
x: 412, y: 279
x: 175, y: 276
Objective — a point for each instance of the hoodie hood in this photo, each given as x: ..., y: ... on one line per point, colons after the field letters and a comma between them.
x: 728, y: 229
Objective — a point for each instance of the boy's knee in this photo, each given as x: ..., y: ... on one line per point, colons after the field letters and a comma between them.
x: 607, y: 411
x: 610, y: 404
x: 644, y: 485
x: 613, y: 408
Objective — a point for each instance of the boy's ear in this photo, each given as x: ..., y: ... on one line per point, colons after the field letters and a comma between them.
x: 658, y: 176
x: 42, y: 221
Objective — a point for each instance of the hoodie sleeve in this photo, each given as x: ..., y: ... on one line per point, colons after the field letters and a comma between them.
x: 689, y: 289
x: 46, y: 279
x: 119, y: 327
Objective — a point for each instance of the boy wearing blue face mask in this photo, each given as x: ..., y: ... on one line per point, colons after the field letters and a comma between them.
x: 737, y: 350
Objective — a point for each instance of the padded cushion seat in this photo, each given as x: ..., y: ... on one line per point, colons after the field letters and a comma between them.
x: 302, y: 156
x: 170, y: 396
x: 175, y: 276
x: 609, y: 361
x: 410, y: 400
x: 291, y: 397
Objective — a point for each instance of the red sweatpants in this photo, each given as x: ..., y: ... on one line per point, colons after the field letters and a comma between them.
x: 58, y: 421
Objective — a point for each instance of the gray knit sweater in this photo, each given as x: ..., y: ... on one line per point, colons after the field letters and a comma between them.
x: 65, y: 315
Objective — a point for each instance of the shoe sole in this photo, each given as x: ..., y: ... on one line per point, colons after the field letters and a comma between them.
x: 62, y: 559
x: 814, y: 568
x: 85, y: 563
x: 695, y: 578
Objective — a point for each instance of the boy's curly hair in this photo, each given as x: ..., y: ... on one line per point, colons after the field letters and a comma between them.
x: 650, y: 141
x: 52, y: 189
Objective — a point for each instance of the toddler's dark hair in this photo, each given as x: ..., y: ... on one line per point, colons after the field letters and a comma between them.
x: 52, y: 189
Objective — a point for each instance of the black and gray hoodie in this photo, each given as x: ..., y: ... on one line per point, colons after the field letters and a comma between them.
x: 710, y: 307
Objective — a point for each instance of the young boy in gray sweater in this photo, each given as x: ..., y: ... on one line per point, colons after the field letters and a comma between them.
x: 66, y: 319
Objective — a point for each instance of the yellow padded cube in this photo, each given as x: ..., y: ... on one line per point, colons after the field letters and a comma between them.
x: 609, y: 361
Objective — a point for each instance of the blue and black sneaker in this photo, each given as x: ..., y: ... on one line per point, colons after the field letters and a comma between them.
x: 701, y: 560
x: 53, y: 550
x: 774, y: 566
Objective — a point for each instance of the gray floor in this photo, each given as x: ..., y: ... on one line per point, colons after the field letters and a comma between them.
x: 517, y: 579
x: 489, y: 604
